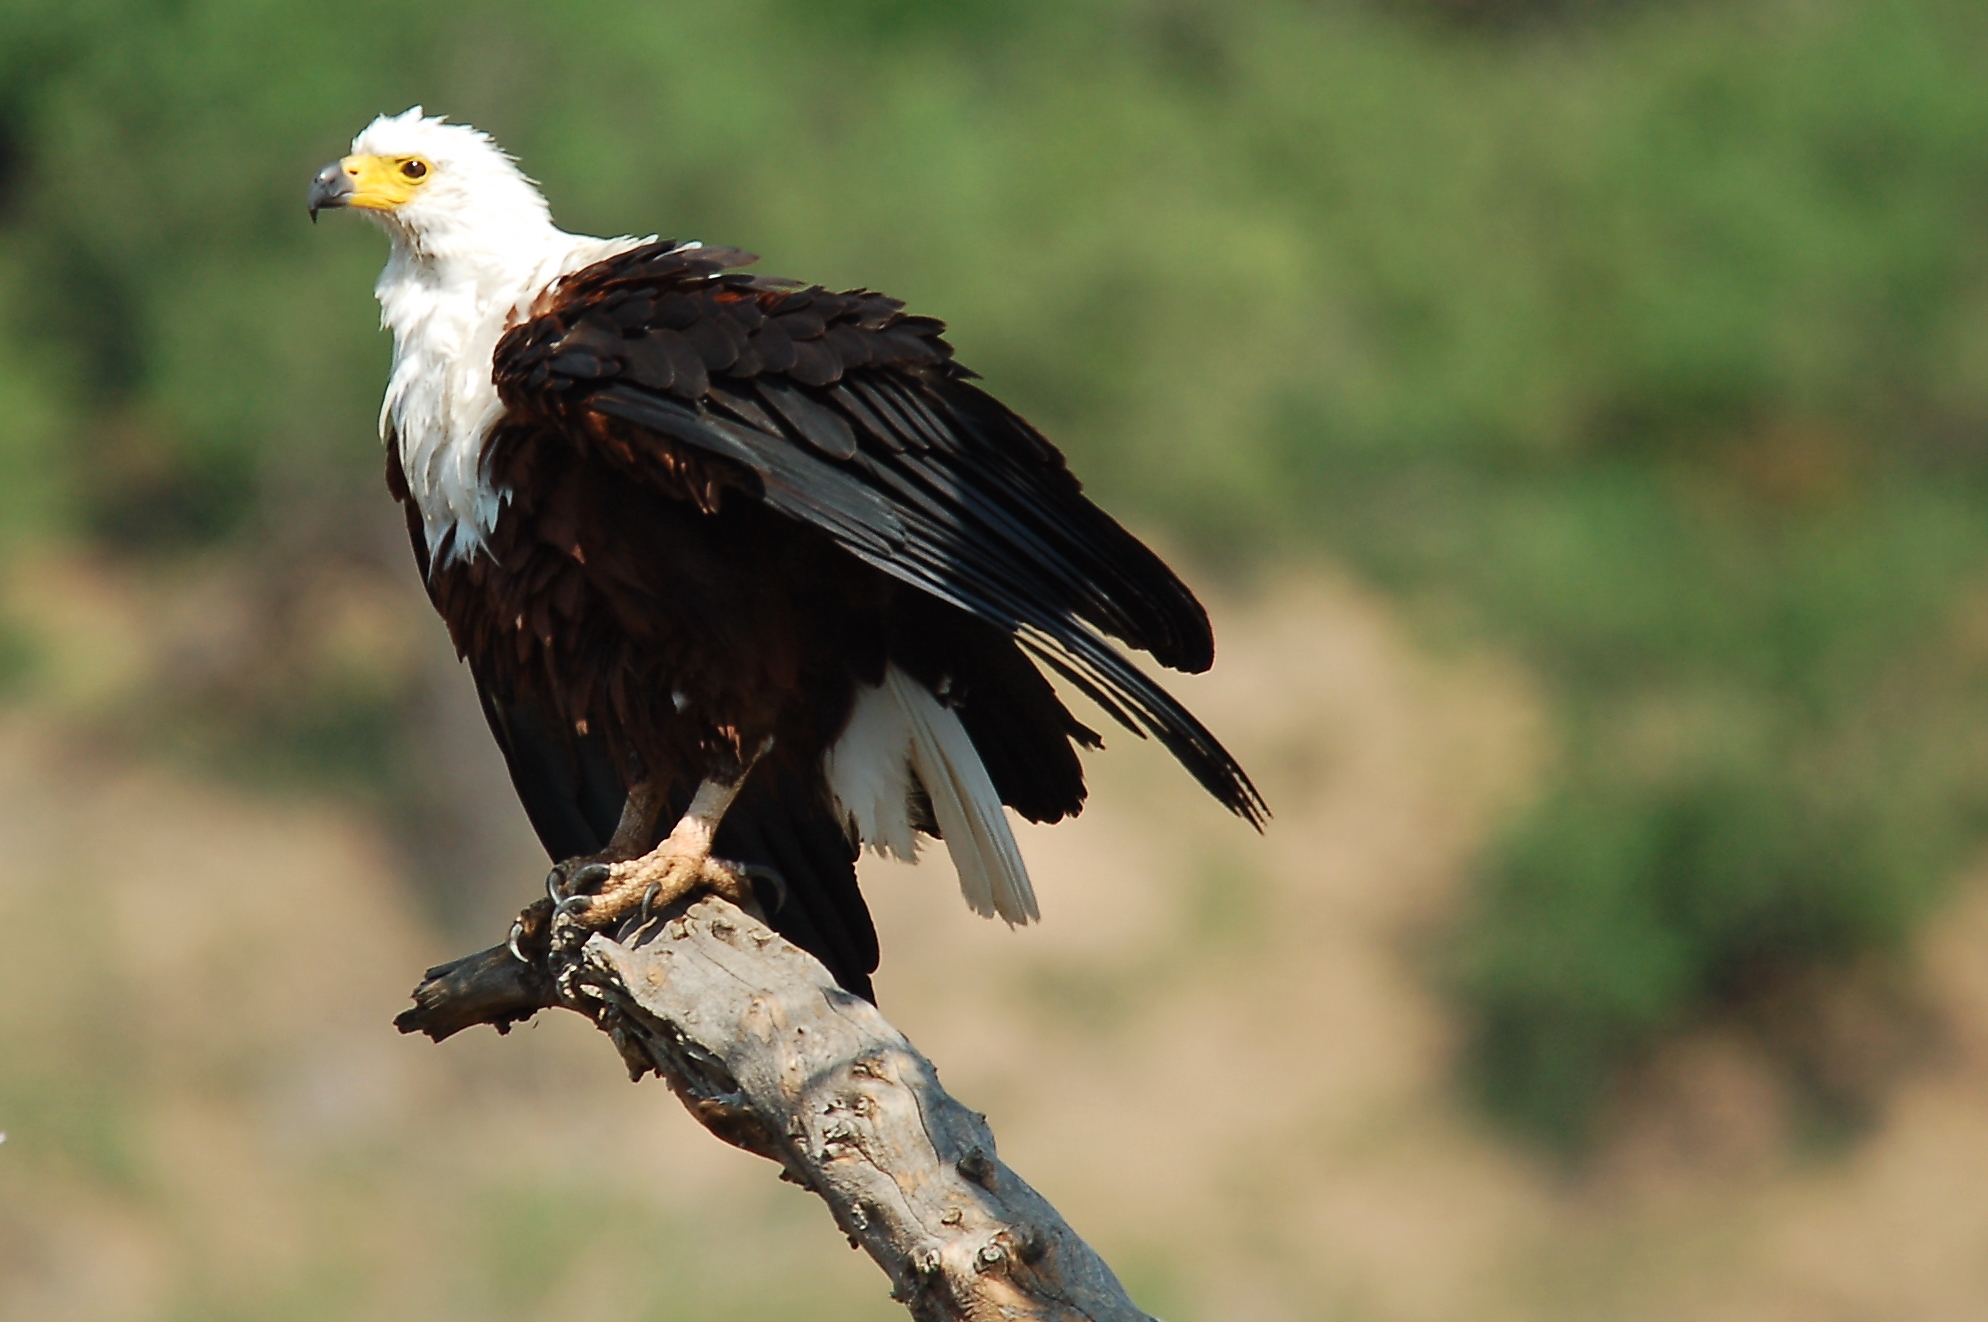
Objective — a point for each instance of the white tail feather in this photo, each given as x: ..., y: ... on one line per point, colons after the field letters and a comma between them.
x: 869, y: 774
x: 898, y: 731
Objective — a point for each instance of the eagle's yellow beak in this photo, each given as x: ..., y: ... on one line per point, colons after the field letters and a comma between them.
x: 377, y: 183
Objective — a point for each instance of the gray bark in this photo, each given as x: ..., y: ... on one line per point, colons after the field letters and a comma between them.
x: 766, y: 1052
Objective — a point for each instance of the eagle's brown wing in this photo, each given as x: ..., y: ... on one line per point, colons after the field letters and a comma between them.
x: 838, y: 410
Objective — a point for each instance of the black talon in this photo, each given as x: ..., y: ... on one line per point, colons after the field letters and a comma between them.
x: 573, y: 904
x: 561, y: 887
x: 649, y: 899
x: 756, y: 872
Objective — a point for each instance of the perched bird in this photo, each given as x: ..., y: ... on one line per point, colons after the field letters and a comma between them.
x: 749, y: 574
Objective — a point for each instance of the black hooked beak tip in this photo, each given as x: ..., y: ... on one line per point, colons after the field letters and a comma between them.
x: 330, y: 189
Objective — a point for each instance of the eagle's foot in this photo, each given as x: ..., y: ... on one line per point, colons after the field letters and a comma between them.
x: 658, y: 879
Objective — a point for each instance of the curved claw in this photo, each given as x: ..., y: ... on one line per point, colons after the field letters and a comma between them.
x: 517, y: 933
x: 649, y: 900
x: 759, y: 872
x: 560, y: 888
x: 573, y: 904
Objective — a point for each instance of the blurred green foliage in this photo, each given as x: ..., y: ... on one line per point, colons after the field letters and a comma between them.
x: 1650, y: 338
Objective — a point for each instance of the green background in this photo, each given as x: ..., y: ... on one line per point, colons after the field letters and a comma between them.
x: 1646, y: 343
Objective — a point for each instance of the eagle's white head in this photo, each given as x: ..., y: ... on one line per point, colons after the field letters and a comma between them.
x: 440, y: 190
x: 473, y: 246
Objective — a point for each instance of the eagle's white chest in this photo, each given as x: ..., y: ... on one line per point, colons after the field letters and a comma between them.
x: 440, y: 406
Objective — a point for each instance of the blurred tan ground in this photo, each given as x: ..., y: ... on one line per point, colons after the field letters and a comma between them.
x: 1219, y: 1055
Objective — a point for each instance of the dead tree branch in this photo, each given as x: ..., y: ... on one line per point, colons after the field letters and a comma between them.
x: 766, y: 1052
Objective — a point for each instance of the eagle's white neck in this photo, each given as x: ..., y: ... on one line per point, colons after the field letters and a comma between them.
x: 448, y: 296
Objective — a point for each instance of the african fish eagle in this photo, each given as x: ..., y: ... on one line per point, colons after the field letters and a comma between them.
x: 748, y: 573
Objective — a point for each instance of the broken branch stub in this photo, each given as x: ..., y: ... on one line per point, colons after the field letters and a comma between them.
x: 771, y: 1056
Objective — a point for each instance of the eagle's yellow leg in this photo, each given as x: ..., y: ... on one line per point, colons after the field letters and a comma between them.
x: 680, y: 865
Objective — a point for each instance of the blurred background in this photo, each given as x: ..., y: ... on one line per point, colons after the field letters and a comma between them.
x: 1576, y: 415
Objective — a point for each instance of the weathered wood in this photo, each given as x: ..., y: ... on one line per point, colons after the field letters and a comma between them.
x: 766, y: 1052
x: 492, y: 986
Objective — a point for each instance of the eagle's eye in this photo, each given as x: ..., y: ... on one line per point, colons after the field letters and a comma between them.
x: 414, y: 169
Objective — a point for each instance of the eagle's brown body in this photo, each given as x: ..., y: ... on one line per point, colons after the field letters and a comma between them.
x: 732, y: 503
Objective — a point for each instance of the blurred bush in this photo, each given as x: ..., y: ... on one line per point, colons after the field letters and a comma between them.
x: 1651, y: 339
